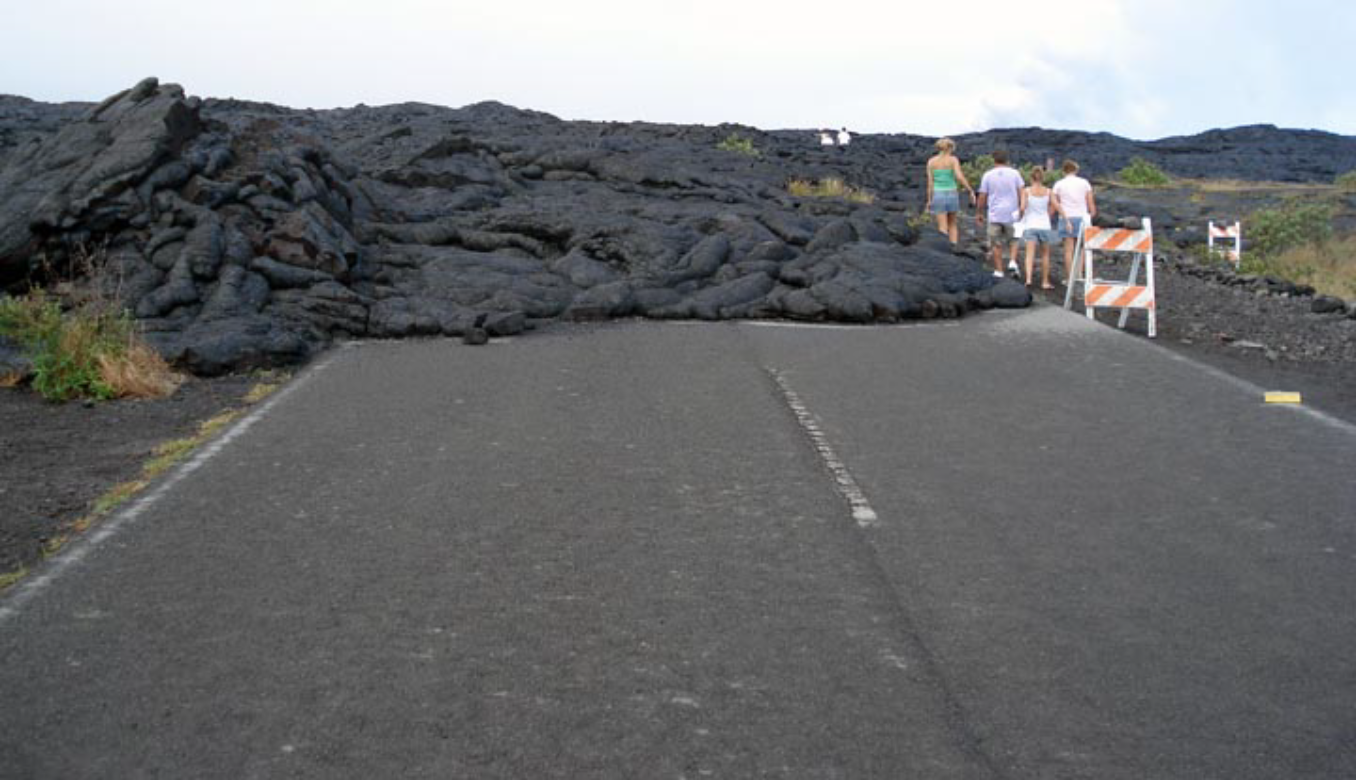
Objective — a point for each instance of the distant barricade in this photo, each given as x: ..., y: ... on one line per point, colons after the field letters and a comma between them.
x: 1224, y: 233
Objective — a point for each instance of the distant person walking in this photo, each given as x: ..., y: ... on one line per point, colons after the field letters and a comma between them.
x: 1036, y: 211
x: 825, y: 139
x: 1001, y: 192
x: 844, y: 138
x: 1076, y: 207
x: 945, y: 177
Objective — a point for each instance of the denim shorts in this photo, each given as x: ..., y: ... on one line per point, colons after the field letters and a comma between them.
x: 1069, y: 226
x: 945, y: 202
x: 1039, y: 236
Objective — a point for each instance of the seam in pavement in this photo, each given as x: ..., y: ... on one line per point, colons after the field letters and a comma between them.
x: 846, y: 484
x: 959, y: 723
x: 69, y: 558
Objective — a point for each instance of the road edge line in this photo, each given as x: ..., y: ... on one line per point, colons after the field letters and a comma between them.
x: 32, y: 586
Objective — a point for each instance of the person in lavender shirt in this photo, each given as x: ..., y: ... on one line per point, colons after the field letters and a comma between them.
x: 1000, y: 199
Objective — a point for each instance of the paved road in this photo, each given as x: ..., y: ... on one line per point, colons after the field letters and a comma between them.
x: 1021, y: 546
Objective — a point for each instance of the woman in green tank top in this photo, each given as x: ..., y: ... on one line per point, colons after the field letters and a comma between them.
x: 944, y: 174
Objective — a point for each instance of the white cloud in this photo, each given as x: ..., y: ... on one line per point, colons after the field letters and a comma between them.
x: 875, y: 66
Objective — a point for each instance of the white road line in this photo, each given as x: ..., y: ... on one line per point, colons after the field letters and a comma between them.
x: 844, y: 482
x: 843, y: 326
x: 32, y: 586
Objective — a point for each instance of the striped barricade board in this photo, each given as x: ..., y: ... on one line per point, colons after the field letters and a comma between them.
x: 1118, y: 239
x: 1118, y: 296
x: 1123, y: 295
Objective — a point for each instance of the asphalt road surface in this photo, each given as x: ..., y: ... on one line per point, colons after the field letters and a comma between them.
x: 1018, y: 546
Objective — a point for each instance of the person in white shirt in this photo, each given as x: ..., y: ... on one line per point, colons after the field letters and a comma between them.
x: 1076, y: 206
x: 844, y: 138
x: 825, y: 139
x: 1036, y: 210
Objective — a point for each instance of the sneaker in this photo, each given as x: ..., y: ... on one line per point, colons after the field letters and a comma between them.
x: 999, y: 274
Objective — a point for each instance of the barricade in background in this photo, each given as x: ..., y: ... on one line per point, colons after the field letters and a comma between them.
x: 1225, y: 232
x: 1127, y: 295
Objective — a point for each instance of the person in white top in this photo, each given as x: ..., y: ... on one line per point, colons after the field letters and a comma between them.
x: 1076, y: 206
x: 844, y: 138
x: 1036, y: 210
x: 825, y: 138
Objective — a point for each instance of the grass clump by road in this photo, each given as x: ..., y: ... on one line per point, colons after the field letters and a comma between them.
x: 829, y: 188
x: 1346, y: 182
x: 1328, y: 266
x: 89, y: 350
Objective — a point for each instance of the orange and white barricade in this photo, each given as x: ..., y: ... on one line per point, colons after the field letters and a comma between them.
x: 1225, y: 232
x: 1127, y: 295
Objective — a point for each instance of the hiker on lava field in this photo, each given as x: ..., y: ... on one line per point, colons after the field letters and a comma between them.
x: 1000, y: 199
x: 945, y: 177
x: 1076, y: 207
x: 1036, y: 211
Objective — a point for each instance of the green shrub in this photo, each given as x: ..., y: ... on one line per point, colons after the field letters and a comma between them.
x: 740, y: 145
x: 1294, y: 223
x: 1142, y: 173
x: 975, y: 169
x: 1346, y: 181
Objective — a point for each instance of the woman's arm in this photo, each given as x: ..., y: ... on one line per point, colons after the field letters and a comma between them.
x: 927, y: 171
x: 1092, y: 205
x: 1021, y: 203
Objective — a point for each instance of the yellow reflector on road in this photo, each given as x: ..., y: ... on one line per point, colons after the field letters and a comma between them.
x: 1283, y: 398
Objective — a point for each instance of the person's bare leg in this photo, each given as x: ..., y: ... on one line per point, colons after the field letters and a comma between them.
x: 1045, y: 268
x: 953, y: 227
x: 1012, y: 261
x: 997, y: 253
x: 1030, y: 258
x: 942, y: 223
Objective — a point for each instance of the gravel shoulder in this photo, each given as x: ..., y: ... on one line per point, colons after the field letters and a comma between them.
x: 56, y: 460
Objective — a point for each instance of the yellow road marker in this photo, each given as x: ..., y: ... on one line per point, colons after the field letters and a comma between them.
x: 1283, y: 398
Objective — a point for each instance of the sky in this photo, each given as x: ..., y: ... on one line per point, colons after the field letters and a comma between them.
x: 1146, y: 69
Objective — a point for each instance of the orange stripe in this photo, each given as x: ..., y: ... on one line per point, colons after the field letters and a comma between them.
x: 1147, y: 245
x: 1128, y: 297
x: 1116, y: 239
x: 1095, y: 294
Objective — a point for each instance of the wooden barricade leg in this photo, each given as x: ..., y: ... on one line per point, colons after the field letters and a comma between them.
x: 1073, y: 270
x: 1153, y: 302
x: 1134, y: 277
x: 1088, y: 276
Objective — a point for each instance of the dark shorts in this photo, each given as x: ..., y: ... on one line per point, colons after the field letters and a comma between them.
x: 1000, y: 234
